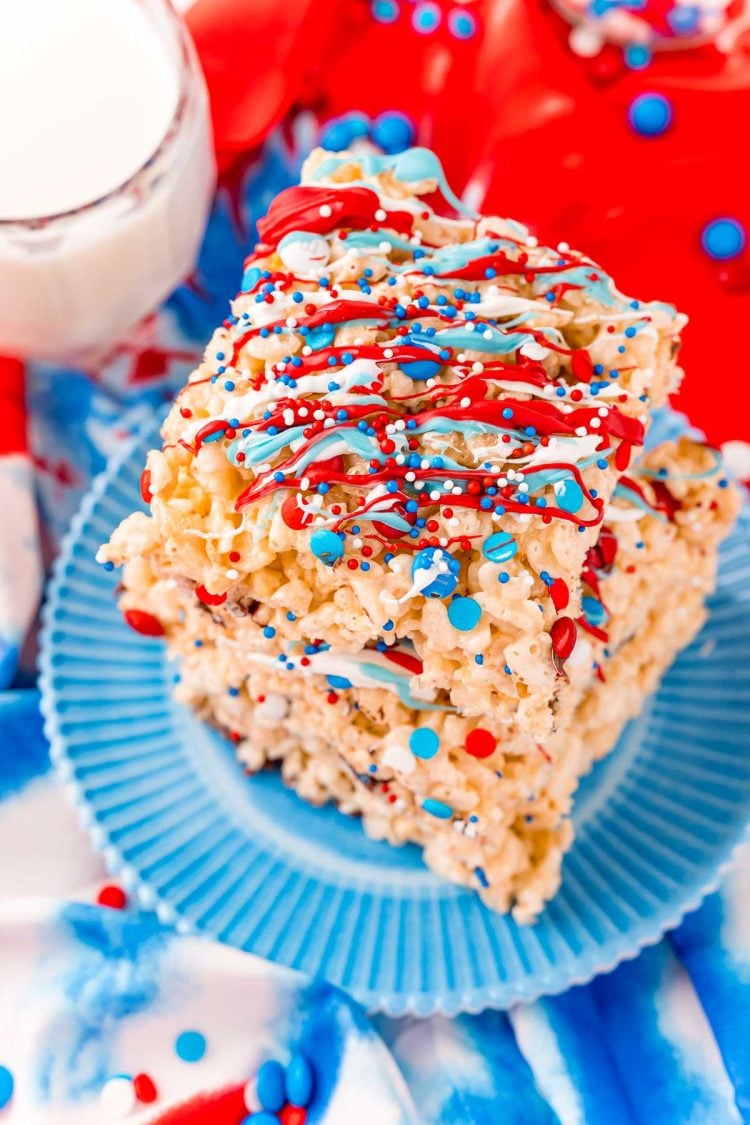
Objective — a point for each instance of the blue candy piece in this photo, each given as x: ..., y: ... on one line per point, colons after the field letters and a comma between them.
x: 464, y: 613
x: 594, y: 611
x: 6, y: 1086
x: 300, y: 1081
x: 569, y: 495
x: 250, y: 278
x: 650, y: 114
x: 421, y: 369
x: 393, y: 131
x: 270, y: 1086
x: 444, y: 582
x: 190, y: 1046
x: 437, y: 808
x: 320, y: 337
x: 342, y: 131
x: 340, y: 683
x: 723, y: 238
x: 262, y: 1118
x: 424, y: 743
x: 326, y: 546
x: 500, y: 547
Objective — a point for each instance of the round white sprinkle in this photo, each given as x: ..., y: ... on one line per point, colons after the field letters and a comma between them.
x: 325, y: 211
x: 117, y: 1097
x: 380, y: 215
x: 232, y: 574
x: 585, y: 41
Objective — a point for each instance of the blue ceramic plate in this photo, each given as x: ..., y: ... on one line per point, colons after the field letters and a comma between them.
x: 244, y: 860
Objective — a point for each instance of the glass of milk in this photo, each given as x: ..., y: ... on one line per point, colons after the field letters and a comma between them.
x: 106, y: 170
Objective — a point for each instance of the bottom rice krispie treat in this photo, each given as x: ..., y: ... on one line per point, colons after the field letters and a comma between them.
x: 489, y: 806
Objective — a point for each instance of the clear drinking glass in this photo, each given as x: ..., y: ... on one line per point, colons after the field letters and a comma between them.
x: 73, y: 283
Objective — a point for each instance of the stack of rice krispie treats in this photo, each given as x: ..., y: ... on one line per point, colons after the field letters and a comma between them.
x: 403, y: 534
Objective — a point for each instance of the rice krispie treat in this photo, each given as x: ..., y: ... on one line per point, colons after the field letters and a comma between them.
x: 488, y: 803
x: 407, y: 433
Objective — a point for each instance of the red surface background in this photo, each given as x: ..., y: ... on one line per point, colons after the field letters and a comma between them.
x: 543, y: 134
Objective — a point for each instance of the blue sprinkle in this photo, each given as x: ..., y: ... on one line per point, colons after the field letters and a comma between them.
x: 637, y: 56
x: 479, y: 659
x: 650, y: 114
x: 269, y: 632
x: 270, y: 1086
x: 388, y: 626
x: 109, y: 565
x: 323, y: 487
x: 291, y: 616
x: 481, y: 876
x: 503, y: 577
x: 630, y: 332
x: 424, y: 742
x: 233, y: 691
x: 723, y: 238
x: 190, y: 1046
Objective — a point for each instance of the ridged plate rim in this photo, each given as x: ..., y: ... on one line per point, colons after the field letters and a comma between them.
x: 394, y: 1000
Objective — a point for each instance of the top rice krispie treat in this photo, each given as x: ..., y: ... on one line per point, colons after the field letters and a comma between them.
x: 409, y: 428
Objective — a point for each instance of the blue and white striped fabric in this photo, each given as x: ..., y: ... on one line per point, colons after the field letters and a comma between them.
x: 663, y: 1039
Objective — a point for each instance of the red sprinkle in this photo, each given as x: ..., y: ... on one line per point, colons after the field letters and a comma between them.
x: 112, y: 896
x: 203, y: 595
x: 563, y: 634
x: 480, y: 743
x: 145, y: 623
x: 145, y: 1090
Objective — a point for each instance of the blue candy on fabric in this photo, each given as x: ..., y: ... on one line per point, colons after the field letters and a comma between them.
x: 270, y: 1086
x: 300, y: 1081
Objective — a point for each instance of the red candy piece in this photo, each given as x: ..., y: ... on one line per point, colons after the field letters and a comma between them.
x: 480, y: 743
x: 112, y: 896
x: 145, y: 1090
x: 607, y: 546
x: 560, y: 594
x: 293, y: 1115
x: 293, y: 515
x: 145, y: 623
x: 582, y: 366
x: 203, y: 595
x: 146, y: 494
x: 563, y: 634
